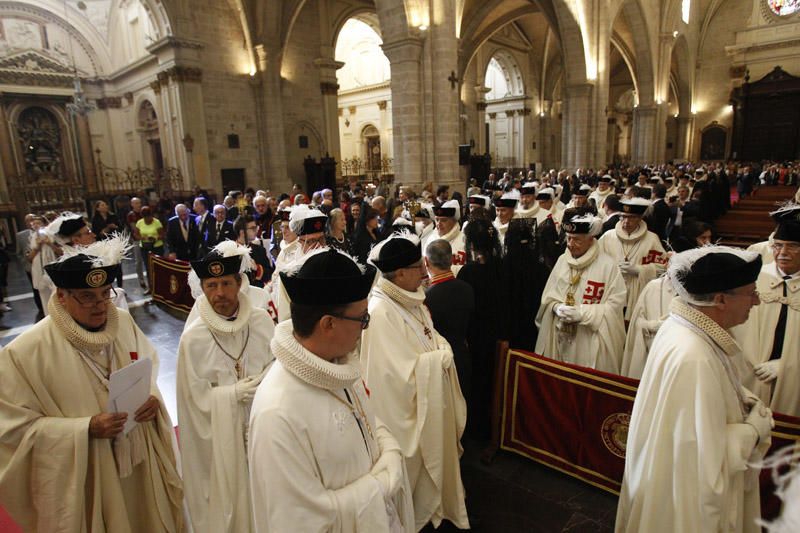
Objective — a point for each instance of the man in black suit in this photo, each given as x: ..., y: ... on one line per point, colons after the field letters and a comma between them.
x: 202, y: 218
x: 183, y: 238
x: 220, y: 228
x: 451, y: 302
x: 246, y: 231
x: 659, y: 218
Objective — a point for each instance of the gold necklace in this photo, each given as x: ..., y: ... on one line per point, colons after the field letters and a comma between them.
x: 236, y: 360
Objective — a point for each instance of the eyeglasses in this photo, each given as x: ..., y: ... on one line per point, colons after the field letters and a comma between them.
x: 89, y: 300
x: 364, y: 319
x: 788, y: 246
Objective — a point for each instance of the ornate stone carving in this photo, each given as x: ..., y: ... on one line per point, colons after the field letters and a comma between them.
x: 382, y: 105
x: 35, y: 69
x: 481, y: 106
x: 738, y: 72
x: 352, y: 109
x: 511, y: 112
x: 40, y: 138
x: 180, y: 74
x: 492, y: 115
x: 128, y: 97
x: 156, y: 86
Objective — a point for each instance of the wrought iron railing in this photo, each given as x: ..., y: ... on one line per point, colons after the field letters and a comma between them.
x: 45, y: 195
x: 360, y: 168
x: 131, y: 180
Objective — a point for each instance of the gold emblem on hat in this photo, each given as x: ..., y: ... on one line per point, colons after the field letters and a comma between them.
x: 626, y: 208
x: 216, y: 269
x: 96, y: 278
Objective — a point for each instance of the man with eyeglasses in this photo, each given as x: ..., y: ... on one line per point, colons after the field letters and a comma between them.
x: 246, y: 231
x: 67, y: 464
x: 319, y: 458
x: 696, y: 433
x: 410, y: 371
x: 223, y: 355
x: 771, y: 336
x: 308, y: 225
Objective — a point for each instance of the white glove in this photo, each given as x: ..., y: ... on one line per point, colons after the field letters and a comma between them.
x: 760, y: 418
x: 388, y: 471
x: 651, y: 326
x: 246, y: 388
x: 628, y: 269
x: 568, y: 313
x: 768, y: 371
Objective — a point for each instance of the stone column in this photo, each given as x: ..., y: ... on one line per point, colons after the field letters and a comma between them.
x: 85, y: 147
x: 685, y: 125
x: 481, y: 145
x: 330, y: 104
x: 404, y: 58
x: 577, y: 124
x: 445, y: 90
x: 644, y: 133
x: 269, y: 67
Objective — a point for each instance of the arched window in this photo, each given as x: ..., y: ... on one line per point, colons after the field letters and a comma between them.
x: 783, y: 7
x: 686, y: 9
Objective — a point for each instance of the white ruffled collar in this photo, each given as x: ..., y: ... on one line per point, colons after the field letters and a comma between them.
x: 220, y: 324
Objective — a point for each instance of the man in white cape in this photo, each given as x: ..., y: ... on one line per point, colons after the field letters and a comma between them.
x: 528, y: 207
x: 222, y: 358
x: 319, y: 459
x: 308, y: 225
x: 771, y: 336
x: 696, y: 432
x: 548, y: 207
x: 601, y: 193
x: 65, y: 463
x: 410, y: 372
x: 648, y: 314
x: 637, y: 251
x: 447, y: 228
x: 580, y: 318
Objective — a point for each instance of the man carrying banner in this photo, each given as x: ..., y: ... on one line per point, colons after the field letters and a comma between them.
x: 695, y: 431
x: 580, y: 318
x: 65, y: 463
x: 409, y: 370
x: 222, y: 357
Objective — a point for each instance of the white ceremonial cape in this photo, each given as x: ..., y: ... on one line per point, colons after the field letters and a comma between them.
x: 54, y: 478
x: 280, y: 300
x: 39, y: 278
x: 764, y: 249
x: 311, y: 456
x: 600, y: 293
x: 648, y: 314
x: 456, y: 239
x: 600, y: 198
x: 688, y: 450
x: 556, y: 213
x: 521, y: 212
x: 415, y: 392
x: 213, y: 423
x: 642, y: 248
x: 758, y: 334
x: 259, y: 298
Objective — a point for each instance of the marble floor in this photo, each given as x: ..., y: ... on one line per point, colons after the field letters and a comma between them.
x: 510, y: 495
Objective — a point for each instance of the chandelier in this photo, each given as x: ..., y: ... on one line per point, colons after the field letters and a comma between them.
x: 79, y: 105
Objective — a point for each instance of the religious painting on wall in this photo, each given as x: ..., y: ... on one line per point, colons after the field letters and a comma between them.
x: 40, y: 137
x: 712, y: 145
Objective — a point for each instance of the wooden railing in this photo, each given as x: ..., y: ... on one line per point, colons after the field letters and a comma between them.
x: 113, y: 180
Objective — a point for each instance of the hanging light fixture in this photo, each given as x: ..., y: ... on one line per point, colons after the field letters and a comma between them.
x: 79, y: 105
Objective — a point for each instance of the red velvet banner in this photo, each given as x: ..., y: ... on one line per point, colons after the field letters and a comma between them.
x: 576, y: 419
x: 567, y: 417
x: 168, y: 280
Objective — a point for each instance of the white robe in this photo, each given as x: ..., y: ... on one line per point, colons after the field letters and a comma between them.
x: 415, y: 392
x: 502, y: 229
x: 688, y: 449
x: 556, y: 213
x: 281, y: 305
x: 213, y: 423
x: 644, y: 250
x: 600, y: 198
x: 600, y: 294
x: 521, y: 212
x: 764, y: 249
x: 311, y: 461
x: 39, y: 278
x: 758, y: 334
x: 456, y: 239
x: 648, y: 314
x: 53, y: 476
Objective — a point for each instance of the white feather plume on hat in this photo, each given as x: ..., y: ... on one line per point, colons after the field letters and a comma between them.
x: 107, y: 252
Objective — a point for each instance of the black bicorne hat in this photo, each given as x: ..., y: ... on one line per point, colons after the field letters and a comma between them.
x: 328, y: 277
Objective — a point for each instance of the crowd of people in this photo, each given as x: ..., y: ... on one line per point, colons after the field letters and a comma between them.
x: 338, y: 350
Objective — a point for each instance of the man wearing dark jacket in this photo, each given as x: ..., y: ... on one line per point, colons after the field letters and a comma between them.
x: 659, y: 219
x: 183, y: 238
x: 220, y: 229
x: 451, y: 303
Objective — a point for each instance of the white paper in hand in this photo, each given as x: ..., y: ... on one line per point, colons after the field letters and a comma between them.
x: 128, y: 389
